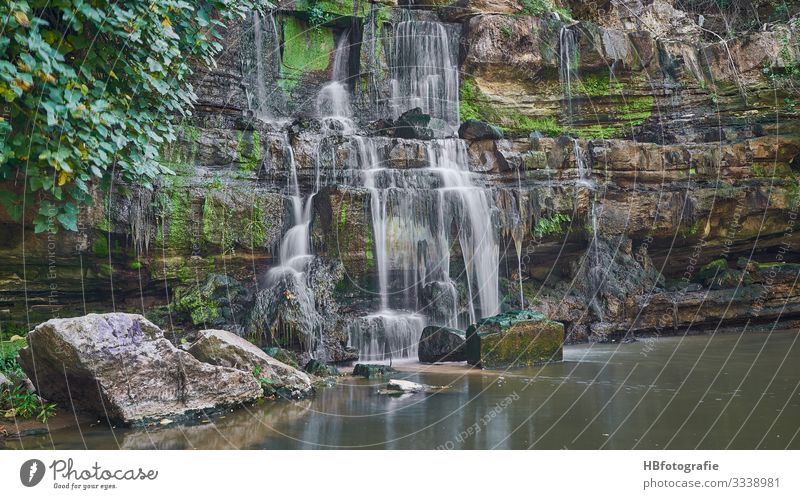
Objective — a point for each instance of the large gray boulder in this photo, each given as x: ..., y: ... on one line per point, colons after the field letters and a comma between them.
x: 441, y: 344
x: 121, y: 368
x: 225, y: 349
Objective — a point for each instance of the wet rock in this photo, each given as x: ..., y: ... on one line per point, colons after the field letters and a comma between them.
x: 442, y: 344
x: 372, y: 370
x: 225, y: 349
x: 413, y: 124
x: 320, y: 369
x: 121, y: 368
x: 479, y: 130
x: 515, y: 339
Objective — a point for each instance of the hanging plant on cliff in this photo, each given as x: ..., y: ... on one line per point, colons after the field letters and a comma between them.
x: 90, y: 90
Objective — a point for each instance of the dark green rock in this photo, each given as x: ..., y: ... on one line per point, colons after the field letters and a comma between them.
x: 517, y: 338
x: 479, y: 130
x: 413, y: 124
x: 440, y: 344
x: 372, y: 370
x: 320, y: 369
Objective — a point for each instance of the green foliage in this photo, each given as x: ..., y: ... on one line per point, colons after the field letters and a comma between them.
x: 8, y: 359
x: 198, y: 302
x: 546, y: 226
x: 535, y: 7
x: 15, y: 400
x: 18, y: 402
x: 540, y: 8
x: 100, y: 246
x: 93, y: 90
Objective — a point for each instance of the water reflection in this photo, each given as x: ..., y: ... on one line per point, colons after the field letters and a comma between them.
x: 710, y: 392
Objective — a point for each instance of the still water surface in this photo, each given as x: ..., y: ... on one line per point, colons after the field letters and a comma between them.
x: 723, y: 391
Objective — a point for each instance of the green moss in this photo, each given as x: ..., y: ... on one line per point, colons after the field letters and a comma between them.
x: 201, y: 308
x: 100, y: 246
x: 135, y: 265
x: 249, y: 150
x: 468, y: 93
x: 597, y: 85
x: 514, y: 339
x: 257, y: 228
x: 336, y: 8
x: 546, y: 125
x: 304, y: 50
x: 474, y: 105
x: 343, y: 215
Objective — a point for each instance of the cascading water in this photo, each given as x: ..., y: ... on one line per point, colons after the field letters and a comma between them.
x: 290, y: 276
x: 333, y: 100
x: 584, y: 171
x: 413, y: 213
x: 595, y: 269
x: 262, y: 66
x: 424, y: 73
x: 567, y: 60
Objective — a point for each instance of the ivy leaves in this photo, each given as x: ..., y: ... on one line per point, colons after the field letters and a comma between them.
x: 90, y: 90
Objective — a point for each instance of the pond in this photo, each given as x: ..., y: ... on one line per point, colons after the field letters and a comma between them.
x: 703, y: 391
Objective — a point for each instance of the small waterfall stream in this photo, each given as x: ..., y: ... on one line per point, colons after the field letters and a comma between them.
x: 424, y: 69
x: 333, y: 100
x: 567, y: 59
x: 262, y: 66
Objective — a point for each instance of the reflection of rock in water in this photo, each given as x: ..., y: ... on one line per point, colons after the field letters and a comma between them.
x: 245, y: 428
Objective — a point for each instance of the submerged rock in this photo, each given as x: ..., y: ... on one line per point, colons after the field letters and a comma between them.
x: 515, y: 339
x: 372, y: 370
x: 441, y: 344
x: 121, y: 368
x: 226, y: 349
x: 404, y: 386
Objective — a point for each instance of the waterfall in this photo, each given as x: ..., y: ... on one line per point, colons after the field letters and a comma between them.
x: 262, y: 66
x: 594, y: 264
x: 413, y: 213
x: 567, y: 60
x: 584, y: 171
x: 333, y: 100
x: 288, y: 281
x: 424, y: 70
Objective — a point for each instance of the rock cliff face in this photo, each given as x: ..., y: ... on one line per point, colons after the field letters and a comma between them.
x: 646, y: 180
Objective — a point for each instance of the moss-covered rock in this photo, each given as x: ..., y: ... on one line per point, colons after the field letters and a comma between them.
x: 514, y: 339
x: 372, y: 370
